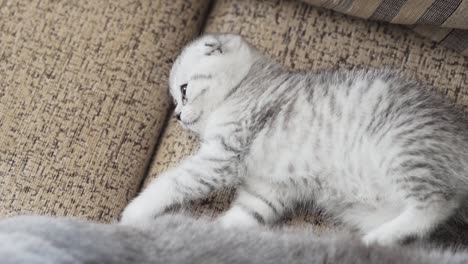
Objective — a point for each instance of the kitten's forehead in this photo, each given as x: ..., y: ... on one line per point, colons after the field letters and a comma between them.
x: 182, y: 66
x: 193, y: 53
x: 188, y: 58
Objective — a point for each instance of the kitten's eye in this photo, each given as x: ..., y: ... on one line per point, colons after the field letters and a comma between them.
x: 183, y: 89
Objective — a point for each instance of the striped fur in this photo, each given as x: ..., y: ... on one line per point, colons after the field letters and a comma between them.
x: 377, y: 151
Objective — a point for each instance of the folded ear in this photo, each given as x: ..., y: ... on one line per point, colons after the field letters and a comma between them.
x: 213, y: 48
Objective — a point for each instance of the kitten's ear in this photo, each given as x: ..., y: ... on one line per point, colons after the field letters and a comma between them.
x: 213, y: 48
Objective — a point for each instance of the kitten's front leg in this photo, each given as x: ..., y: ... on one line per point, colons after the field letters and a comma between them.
x: 154, y: 200
x: 212, y: 168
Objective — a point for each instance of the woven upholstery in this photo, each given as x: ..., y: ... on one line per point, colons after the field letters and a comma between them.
x: 83, y: 99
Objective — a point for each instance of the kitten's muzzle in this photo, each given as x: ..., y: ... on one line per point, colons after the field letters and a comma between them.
x: 177, y: 115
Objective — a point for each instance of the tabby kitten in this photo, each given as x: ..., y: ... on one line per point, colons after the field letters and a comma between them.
x: 377, y: 151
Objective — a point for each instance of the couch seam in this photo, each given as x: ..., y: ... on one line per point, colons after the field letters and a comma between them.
x: 170, y: 109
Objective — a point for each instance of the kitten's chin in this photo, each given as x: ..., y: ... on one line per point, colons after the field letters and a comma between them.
x: 196, y: 129
x: 194, y: 125
x: 192, y: 121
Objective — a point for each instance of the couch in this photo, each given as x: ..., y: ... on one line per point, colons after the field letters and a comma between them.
x: 85, y: 116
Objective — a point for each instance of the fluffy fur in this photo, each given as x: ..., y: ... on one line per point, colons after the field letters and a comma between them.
x: 179, y: 239
x: 379, y: 152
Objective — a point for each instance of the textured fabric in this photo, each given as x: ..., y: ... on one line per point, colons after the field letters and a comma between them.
x: 433, y: 15
x: 305, y: 37
x: 83, y: 98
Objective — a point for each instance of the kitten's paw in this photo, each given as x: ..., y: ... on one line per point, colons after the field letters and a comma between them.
x: 380, y: 237
x: 212, y: 48
x: 237, y: 218
x: 226, y: 222
x: 136, y: 213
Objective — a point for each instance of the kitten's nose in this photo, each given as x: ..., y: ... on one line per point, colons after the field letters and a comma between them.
x: 177, y: 115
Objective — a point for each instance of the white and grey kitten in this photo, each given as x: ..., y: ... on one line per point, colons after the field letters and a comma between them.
x: 377, y: 151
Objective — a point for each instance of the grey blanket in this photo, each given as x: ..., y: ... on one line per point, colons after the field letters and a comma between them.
x: 179, y: 239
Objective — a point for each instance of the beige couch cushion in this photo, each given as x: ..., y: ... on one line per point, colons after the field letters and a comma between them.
x: 305, y: 37
x: 82, y: 99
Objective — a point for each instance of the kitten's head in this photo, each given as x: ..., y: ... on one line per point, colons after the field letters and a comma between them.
x: 204, y: 73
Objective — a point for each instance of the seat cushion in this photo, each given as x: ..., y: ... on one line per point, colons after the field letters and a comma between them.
x: 82, y: 100
x: 304, y: 37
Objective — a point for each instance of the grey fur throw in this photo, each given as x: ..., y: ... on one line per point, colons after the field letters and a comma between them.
x: 179, y: 239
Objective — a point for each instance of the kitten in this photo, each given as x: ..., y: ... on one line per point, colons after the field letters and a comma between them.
x: 379, y: 152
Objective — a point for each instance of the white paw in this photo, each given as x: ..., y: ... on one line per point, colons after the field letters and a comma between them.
x: 380, y: 237
x: 137, y: 213
x: 227, y: 222
x: 236, y: 217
